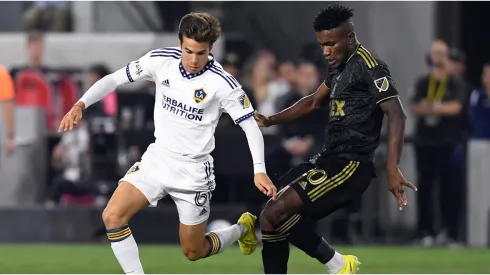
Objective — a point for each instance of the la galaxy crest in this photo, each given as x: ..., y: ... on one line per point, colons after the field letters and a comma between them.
x: 244, y: 101
x: 199, y: 95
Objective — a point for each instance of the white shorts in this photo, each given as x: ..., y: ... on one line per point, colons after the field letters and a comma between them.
x: 189, y: 182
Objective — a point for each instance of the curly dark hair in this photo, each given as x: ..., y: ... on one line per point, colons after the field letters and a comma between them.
x: 331, y: 17
x: 201, y: 27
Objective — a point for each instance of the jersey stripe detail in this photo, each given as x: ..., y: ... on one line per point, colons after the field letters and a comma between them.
x: 242, y: 118
x: 229, y: 76
x: 168, y: 50
x: 216, y: 71
x: 386, y: 98
x: 165, y: 55
x: 128, y: 74
x: 371, y: 62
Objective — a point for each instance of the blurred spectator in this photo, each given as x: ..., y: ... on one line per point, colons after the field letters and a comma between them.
x: 437, y: 103
x: 258, y: 77
x: 35, y: 50
x: 7, y: 94
x: 70, y: 157
x: 287, y: 73
x: 35, y: 54
x: 231, y: 65
x: 479, y: 107
x: 457, y: 68
x: 109, y: 102
x: 53, y: 16
x: 303, y: 137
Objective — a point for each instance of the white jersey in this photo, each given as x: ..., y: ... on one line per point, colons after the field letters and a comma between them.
x: 188, y: 106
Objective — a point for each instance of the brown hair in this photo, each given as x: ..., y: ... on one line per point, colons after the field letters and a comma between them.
x: 201, y: 27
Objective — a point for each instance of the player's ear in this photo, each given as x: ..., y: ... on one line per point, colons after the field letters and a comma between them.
x: 210, y: 47
x: 351, y: 37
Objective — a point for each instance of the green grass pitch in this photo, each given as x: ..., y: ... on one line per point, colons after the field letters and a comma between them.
x: 169, y: 259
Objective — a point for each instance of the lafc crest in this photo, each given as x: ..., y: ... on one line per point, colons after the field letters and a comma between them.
x: 382, y: 84
x: 134, y: 168
x: 244, y: 101
x: 199, y: 95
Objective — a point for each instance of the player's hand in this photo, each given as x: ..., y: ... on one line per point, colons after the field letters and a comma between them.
x: 262, y: 121
x: 72, y: 117
x: 396, y: 184
x: 265, y: 185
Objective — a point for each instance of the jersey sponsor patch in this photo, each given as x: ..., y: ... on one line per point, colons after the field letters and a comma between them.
x: 199, y: 95
x: 244, y: 101
x: 382, y: 84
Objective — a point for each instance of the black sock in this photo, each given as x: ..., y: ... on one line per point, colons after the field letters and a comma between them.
x: 303, y: 235
x: 275, y: 253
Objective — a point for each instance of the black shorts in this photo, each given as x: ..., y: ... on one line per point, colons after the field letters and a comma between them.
x: 332, y: 184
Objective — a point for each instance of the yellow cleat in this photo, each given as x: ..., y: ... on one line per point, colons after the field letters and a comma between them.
x: 351, y: 265
x: 248, y: 241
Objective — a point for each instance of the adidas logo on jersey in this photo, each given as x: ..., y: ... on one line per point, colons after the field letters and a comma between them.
x: 166, y: 83
x: 204, y: 211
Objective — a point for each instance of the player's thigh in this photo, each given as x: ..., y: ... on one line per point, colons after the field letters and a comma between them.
x: 333, y: 185
x: 126, y: 201
x: 136, y: 190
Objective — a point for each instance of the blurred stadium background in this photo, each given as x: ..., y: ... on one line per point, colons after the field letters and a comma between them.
x: 54, y: 187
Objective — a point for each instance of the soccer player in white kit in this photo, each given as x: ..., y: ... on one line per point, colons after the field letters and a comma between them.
x: 192, y: 91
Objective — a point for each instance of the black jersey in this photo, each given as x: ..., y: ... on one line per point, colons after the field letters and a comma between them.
x: 355, y: 118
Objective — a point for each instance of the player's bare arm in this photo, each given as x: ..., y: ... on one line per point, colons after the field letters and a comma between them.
x: 396, y: 130
x: 303, y: 107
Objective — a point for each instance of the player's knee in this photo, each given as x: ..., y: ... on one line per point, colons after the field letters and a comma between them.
x: 112, y: 218
x: 192, y: 254
x: 271, y: 217
x: 264, y: 222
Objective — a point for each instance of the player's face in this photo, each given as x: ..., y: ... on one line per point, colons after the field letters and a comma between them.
x: 334, y: 44
x: 35, y: 49
x: 194, y: 54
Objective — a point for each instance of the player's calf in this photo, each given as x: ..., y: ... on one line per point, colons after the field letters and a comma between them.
x: 197, y: 244
x: 126, y: 201
x: 280, y: 221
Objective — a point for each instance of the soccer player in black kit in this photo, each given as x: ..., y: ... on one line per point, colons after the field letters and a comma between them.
x: 359, y: 91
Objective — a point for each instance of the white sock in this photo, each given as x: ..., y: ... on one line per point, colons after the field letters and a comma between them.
x: 223, y: 238
x: 126, y: 251
x: 335, y: 264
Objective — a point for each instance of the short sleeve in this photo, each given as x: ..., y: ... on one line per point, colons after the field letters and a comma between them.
x: 143, y: 68
x: 237, y: 104
x: 7, y: 90
x: 380, y: 83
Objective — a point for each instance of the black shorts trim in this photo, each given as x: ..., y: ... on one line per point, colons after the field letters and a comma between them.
x: 316, y: 182
x: 332, y: 185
